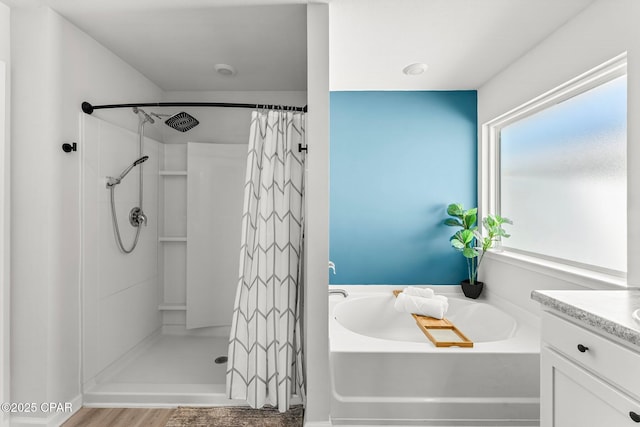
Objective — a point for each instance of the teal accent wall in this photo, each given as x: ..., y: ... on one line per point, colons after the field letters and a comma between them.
x: 397, y: 160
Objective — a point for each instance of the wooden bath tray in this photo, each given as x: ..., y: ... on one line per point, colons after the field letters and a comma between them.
x: 441, y: 332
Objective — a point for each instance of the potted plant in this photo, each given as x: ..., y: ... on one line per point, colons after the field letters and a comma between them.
x: 471, y: 243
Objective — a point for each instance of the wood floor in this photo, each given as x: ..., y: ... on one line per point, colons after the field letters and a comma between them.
x: 119, y: 417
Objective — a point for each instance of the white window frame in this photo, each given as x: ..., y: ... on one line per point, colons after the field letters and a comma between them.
x: 489, y: 177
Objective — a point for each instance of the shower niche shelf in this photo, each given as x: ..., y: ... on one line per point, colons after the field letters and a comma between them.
x: 172, y: 236
x: 172, y: 307
x: 173, y: 173
x: 172, y: 239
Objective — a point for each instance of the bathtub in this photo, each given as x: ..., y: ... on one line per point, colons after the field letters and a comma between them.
x: 384, y: 371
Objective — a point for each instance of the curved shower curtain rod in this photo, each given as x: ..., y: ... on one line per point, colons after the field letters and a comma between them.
x: 88, y: 108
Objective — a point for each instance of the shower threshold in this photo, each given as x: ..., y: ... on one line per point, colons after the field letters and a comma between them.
x: 158, y: 395
x: 168, y: 371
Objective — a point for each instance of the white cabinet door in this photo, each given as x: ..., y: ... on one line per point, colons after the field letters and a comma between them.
x: 574, y: 397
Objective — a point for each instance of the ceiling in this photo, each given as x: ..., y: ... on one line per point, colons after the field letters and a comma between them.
x: 464, y: 42
x: 176, y: 43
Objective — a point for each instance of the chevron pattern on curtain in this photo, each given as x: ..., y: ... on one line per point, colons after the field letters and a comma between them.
x: 265, y: 346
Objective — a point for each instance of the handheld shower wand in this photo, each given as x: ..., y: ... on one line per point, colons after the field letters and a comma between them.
x: 111, y: 181
x: 137, y: 217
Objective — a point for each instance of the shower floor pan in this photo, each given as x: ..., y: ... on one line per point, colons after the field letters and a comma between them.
x: 171, y: 370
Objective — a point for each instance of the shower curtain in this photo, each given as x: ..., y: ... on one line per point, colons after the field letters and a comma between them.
x: 265, y: 347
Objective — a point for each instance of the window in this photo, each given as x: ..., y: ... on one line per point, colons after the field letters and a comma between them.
x: 560, y: 172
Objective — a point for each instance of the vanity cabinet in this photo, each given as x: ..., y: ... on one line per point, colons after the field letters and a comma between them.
x: 586, y: 379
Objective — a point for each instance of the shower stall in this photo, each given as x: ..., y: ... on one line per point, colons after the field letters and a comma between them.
x: 157, y: 308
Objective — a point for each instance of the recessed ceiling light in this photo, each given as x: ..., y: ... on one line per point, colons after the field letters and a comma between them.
x: 415, y: 69
x: 224, y: 69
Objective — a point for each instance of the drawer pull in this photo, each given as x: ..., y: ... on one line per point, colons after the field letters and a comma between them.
x: 582, y: 348
x: 635, y: 417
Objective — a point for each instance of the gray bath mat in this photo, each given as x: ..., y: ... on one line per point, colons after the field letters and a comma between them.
x: 236, y: 416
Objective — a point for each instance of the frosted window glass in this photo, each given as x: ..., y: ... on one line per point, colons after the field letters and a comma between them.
x: 564, y: 178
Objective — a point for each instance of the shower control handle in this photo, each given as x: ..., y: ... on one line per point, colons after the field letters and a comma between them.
x: 137, y: 217
x: 634, y: 416
x: 582, y: 348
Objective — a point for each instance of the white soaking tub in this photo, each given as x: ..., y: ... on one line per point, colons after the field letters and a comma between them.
x: 384, y: 371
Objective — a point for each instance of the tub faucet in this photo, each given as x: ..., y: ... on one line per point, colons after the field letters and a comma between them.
x: 338, y: 291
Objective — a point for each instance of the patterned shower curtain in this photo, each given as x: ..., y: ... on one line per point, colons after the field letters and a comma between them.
x: 265, y: 346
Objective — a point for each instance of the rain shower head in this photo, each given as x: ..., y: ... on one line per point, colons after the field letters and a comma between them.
x: 182, y: 122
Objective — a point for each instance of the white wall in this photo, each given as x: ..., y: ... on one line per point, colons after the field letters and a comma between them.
x: 54, y: 67
x: 316, y: 279
x: 5, y: 39
x: 602, y: 31
x: 120, y: 292
x: 5, y: 235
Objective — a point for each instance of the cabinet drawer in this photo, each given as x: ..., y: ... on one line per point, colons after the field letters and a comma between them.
x: 608, y: 359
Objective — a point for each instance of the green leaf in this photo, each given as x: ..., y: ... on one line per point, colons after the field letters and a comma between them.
x: 469, y: 220
x: 467, y: 236
x: 489, y: 222
x: 469, y: 253
x: 455, y: 209
x: 487, y: 243
x: 452, y: 222
x: 457, y: 244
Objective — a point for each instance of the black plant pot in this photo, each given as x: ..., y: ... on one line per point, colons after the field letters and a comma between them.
x: 471, y: 291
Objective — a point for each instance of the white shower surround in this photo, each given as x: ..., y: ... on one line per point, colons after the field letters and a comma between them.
x: 402, y: 380
x: 120, y: 292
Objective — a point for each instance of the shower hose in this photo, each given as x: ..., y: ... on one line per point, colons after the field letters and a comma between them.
x: 114, y: 219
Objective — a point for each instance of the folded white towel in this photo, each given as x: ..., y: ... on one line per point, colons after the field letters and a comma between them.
x: 442, y: 298
x: 419, y: 292
x: 425, y: 293
x: 432, y: 307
